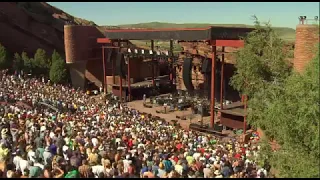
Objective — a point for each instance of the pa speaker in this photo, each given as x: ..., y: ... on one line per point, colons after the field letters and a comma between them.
x: 186, y: 73
x: 120, y: 65
x: 206, y: 66
x: 110, y: 55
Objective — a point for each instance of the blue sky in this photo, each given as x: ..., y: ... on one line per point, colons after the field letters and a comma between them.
x: 280, y: 14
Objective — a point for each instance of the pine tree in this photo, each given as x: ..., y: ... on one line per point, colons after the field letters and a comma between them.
x: 27, y: 62
x: 3, y: 57
x: 17, y: 62
x: 58, y: 71
x: 40, y: 62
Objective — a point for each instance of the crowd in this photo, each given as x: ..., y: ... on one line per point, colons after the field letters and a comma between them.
x: 102, y: 139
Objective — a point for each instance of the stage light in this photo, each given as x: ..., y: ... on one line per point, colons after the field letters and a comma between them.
x: 166, y: 53
x: 158, y: 53
x: 150, y: 52
x: 304, y: 17
x: 316, y: 18
x: 142, y: 51
x: 129, y: 50
x: 136, y: 51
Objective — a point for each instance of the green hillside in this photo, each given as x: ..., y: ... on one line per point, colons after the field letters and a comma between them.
x: 287, y: 34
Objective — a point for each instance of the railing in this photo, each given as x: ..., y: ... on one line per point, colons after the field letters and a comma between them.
x: 304, y: 20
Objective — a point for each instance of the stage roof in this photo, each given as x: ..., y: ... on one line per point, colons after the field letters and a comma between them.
x: 195, y: 34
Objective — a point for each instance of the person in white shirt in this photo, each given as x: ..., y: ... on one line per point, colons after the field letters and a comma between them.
x: 65, y: 150
x: 126, y: 163
x: 261, y: 171
x: 96, y: 170
x: 178, y: 167
x: 94, y: 141
x: 196, y: 155
x: 20, y: 163
x: 31, y: 155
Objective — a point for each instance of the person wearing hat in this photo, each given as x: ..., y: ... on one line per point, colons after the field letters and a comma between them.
x: 161, y: 170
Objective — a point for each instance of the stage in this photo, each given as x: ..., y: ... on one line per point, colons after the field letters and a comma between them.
x: 190, y: 119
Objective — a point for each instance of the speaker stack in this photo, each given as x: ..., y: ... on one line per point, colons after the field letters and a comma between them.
x: 186, y: 74
x: 120, y: 64
x: 206, y: 70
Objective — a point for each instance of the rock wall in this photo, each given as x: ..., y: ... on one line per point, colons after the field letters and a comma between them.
x: 307, y: 38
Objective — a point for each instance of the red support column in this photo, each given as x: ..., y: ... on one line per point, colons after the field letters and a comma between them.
x: 104, y: 71
x: 171, y: 65
x: 213, y: 72
x: 129, y: 83
x: 222, y: 79
x: 152, y: 63
x: 119, y: 51
x: 245, y: 115
x: 112, y: 69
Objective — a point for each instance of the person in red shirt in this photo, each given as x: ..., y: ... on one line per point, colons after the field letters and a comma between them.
x: 237, y: 155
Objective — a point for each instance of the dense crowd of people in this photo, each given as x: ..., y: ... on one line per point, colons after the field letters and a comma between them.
x: 91, y: 138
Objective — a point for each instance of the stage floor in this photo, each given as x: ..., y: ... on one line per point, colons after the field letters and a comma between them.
x: 138, y: 105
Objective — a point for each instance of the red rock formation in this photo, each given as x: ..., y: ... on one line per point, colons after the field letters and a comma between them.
x: 27, y: 26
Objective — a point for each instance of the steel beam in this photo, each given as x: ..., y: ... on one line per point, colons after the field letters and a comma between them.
x: 104, y: 84
x: 222, y: 79
x: 227, y: 43
x: 152, y: 64
x: 213, y: 72
x: 129, y: 83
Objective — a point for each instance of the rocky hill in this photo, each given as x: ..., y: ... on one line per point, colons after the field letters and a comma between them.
x: 27, y: 26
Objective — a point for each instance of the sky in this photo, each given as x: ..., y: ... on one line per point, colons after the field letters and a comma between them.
x: 280, y: 14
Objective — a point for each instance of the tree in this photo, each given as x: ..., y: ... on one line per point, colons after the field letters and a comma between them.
x: 41, y: 62
x: 58, y: 71
x: 261, y: 61
x: 17, y: 62
x: 27, y: 62
x: 283, y: 103
x: 289, y: 113
x: 3, y: 57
